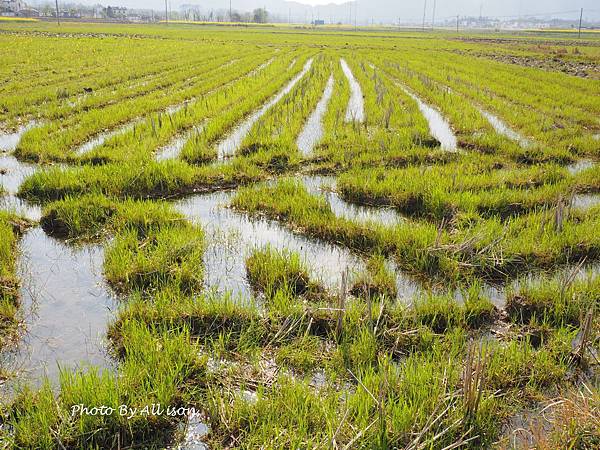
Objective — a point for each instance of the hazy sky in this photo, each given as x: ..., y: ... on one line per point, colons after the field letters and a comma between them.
x: 389, y: 10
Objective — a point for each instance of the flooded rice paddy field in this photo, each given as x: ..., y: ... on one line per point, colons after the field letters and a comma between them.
x: 376, y: 241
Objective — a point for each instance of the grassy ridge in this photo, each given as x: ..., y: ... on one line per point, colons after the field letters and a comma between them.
x: 10, y: 228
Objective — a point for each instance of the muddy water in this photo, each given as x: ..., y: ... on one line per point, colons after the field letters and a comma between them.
x: 438, y: 126
x: 356, y: 107
x: 313, y: 130
x: 231, y: 237
x: 66, y: 306
x: 173, y: 149
x: 505, y: 130
x: 230, y: 145
x: 65, y: 303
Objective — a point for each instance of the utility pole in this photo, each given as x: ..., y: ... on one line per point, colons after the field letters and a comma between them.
x: 580, y: 19
x: 166, y: 12
x: 58, y: 14
x: 433, y: 16
x: 457, y: 23
x: 230, y: 15
x: 424, y: 12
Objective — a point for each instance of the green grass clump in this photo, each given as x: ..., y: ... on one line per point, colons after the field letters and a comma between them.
x: 438, y: 192
x: 523, y: 370
x: 87, y: 216
x: 557, y: 300
x: 378, y: 281
x: 10, y: 228
x: 442, y: 313
x: 166, y: 255
x: 270, y: 270
x: 160, y: 367
x: 289, y: 201
x: 301, y: 354
x: 146, y: 180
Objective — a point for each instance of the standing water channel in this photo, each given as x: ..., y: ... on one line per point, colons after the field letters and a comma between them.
x: 65, y: 303
x: 313, y: 130
x: 233, y: 235
x: 356, y: 109
x: 438, y: 126
x: 503, y: 129
x: 230, y: 145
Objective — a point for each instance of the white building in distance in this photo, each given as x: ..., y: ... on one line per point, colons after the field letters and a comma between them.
x: 12, y: 6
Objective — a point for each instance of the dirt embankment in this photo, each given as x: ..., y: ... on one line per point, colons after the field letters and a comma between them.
x: 554, y: 63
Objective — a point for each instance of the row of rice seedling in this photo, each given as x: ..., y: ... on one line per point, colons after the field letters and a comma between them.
x: 36, y: 144
x: 394, y: 132
x: 231, y: 86
x: 205, y: 145
x: 272, y: 142
x: 561, y: 120
x: 67, y: 82
x: 483, y: 187
x: 472, y: 129
x: 98, y: 98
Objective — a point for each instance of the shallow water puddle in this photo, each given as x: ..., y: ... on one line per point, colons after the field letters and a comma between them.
x: 66, y: 306
x: 356, y: 105
x: 580, y: 166
x: 505, y: 130
x: 585, y: 201
x: 173, y: 149
x: 101, y: 138
x: 195, y: 430
x: 438, y: 126
x: 12, y: 174
x: 323, y: 185
x: 312, y: 132
x: 10, y: 140
x: 230, y: 145
x: 232, y: 236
